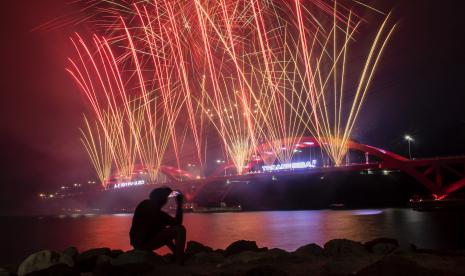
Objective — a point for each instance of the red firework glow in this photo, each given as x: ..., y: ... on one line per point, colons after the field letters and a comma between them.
x: 256, y: 71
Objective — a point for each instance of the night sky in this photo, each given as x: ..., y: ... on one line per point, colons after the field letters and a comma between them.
x: 419, y: 89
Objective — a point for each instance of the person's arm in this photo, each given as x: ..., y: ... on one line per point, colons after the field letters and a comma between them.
x: 179, y: 211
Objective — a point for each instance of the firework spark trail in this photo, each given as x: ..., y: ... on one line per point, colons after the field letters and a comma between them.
x: 275, y: 106
x: 181, y: 66
x: 327, y: 126
x: 262, y: 79
x: 235, y: 132
x: 98, y: 149
x: 278, y: 120
x: 333, y: 129
x: 142, y: 129
x: 91, y: 84
x: 170, y: 103
x: 223, y: 18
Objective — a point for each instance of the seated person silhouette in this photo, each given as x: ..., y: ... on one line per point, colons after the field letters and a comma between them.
x: 152, y: 228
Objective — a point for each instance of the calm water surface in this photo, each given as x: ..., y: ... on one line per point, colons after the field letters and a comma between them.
x: 288, y: 230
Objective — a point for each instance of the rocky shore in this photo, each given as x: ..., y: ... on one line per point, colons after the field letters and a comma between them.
x: 381, y: 256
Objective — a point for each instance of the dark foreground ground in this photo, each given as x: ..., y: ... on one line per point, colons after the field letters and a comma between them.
x: 338, y: 257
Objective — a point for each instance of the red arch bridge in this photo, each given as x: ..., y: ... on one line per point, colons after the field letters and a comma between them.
x: 440, y: 175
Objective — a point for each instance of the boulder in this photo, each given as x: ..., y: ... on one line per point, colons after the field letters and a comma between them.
x: 103, y: 265
x: 56, y: 270
x: 135, y: 262
x: 137, y: 256
x: 240, y: 246
x: 383, y: 248
x: 246, y: 257
x: 10, y: 268
x: 43, y: 260
x: 221, y: 251
x: 72, y: 253
x: 102, y: 259
x: 4, y: 272
x: 265, y: 270
x: 347, y: 264
x: 344, y: 247
x: 194, y: 247
x: 404, y: 248
x: 206, y: 258
x: 400, y: 266
x: 116, y: 252
x: 381, y: 245
x: 86, y: 260
x: 311, y: 249
x: 276, y: 253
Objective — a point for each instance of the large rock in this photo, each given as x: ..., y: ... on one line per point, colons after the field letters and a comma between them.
x: 265, y: 270
x: 42, y: 260
x: 404, y: 248
x: 347, y: 265
x: 56, y: 270
x: 135, y: 262
x: 86, y: 260
x: 276, y: 253
x: 71, y: 252
x: 103, y: 265
x: 206, y: 258
x: 383, y: 248
x: 137, y: 256
x: 241, y: 246
x: 4, y: 272
x: 10, y: 268
x: 311, y: 249
x: 344, y: 247
x: 381, y: 245
x: 246, y: 257
x: 400, y: 266
x: 194, y: 247
x: 116, y: 252
x: 103, y: 259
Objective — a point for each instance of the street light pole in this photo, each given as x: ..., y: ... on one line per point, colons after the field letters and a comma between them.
x: 409, y: 139
x: 409, y: 150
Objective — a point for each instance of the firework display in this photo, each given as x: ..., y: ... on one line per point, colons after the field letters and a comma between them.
x: 261, y: 73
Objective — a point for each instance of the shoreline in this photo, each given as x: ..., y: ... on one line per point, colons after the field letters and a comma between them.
x: 89, y: 213
x: 382, y: 256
